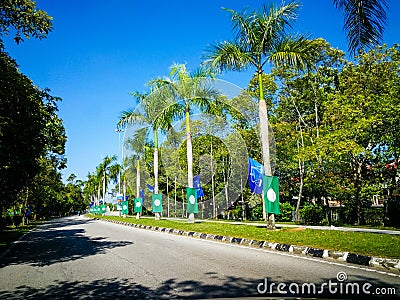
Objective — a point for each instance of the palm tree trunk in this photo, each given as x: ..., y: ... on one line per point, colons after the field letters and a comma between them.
x: 214, y: 215
x: 263, y: 115
x: 104, y: 188
x: 175, y: 199
x: 189, y: 150
x: 167, y: 199
x: 189, y: 155
x: 138, y: 179
x: 156, y: 215
x: 155, y: 162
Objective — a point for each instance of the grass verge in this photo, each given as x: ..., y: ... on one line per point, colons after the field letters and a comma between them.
x: 365, y: 243
x: 12, y: 233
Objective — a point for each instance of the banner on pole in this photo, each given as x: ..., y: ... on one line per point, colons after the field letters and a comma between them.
x: 271, y: 194
x: 191, y: 196
x: 197, y: 185
x: 256, y: 171
x: 137, y: 205
x: 156, y: 203
x: 124, y: 210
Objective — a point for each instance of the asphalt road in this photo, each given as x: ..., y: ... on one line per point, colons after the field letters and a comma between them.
x: 79, y: 258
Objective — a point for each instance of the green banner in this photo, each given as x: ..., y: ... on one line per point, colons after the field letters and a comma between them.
x: 137, y: 205
x: 271, y: 194
x: 156, y: 203
x: 103, y: 209
x: 124, y: 205
x: 191, y: 196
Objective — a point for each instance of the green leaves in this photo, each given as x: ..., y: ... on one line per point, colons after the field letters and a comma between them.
x: 25, y: 18
x: 364, y: 22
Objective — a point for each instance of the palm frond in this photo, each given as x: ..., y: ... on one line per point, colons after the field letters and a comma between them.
x: 364, y: 22
x: 295, y: 51
x: 131, y: 116
x: 227, y: 56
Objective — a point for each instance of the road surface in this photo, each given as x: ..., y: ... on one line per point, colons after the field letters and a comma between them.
x: 80, y: 258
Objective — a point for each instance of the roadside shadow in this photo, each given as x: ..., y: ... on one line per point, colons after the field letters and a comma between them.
x: 227, y: 287
x: 66, y: 245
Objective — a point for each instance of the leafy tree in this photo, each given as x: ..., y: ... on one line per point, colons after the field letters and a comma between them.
x: 30, y: 130
x: 25, y: 19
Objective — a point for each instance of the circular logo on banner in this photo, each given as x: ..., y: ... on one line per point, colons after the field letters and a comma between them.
x: 138, y: 204
x: 124, y: 207
x: 157, y: 202
x: 192, y: 199
x: 271, y: 195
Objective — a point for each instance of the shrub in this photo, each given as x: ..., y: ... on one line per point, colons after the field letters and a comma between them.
x: 312, y: 214
x: 286, y: 212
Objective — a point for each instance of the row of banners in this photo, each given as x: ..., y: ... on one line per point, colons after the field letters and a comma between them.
x: 258, y: 181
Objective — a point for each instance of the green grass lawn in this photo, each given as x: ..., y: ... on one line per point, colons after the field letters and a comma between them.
x: 381, y: 245
x: 12, y: 233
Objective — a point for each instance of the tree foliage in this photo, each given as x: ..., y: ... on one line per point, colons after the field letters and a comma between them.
x: 24, y: 20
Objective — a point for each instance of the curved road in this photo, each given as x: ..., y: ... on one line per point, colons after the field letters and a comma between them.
x: 79, y: 258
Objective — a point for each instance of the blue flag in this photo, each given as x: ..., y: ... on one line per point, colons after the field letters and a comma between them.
x: 151, y: 188
x: 256, y: 171
x: 141, y: 195
x: 197, y: 185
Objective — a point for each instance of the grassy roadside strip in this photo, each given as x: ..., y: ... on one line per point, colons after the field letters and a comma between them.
x: 365, y: 243
x: 11, y: 234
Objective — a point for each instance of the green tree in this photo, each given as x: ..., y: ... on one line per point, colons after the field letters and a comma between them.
x: 30, y: 130
x: 260, y: 38
x: 24, y: 18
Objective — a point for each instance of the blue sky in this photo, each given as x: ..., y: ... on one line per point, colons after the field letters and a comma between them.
x: 100, y: 51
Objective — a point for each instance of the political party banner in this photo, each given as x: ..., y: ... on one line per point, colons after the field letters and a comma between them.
x: 256, y: 171
x: 156, y: 203
x: 271, y: 194
x: 137, y: 202
x: 191, y: 196
x: 120, y: 198
x: 197, y: 185
x: 124, y: 210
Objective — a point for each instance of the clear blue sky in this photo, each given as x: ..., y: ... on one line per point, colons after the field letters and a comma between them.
x: 100, y: 51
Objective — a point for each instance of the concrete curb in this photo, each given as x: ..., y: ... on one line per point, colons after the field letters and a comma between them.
x: 376, y: 262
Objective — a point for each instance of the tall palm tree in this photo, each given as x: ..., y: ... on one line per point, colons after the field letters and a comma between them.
x: 135, y: 146
x: 365, y: 21
x: 151, y: 104
x: 261, y: 38
x: 90, y: 188
x: 108, y: 170
x: 185, y: 91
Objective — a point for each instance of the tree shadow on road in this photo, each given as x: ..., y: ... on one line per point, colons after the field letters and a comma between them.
x: 127, y: 288
x: 66, y: 245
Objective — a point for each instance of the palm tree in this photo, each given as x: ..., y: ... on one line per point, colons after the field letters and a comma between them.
x: 364, y: 22
x: 150, y: 106
x: 106, y: 171
x: 90, y: 188
x: 135, y: 146
x: 185, y: 91
x: 261, y: 38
